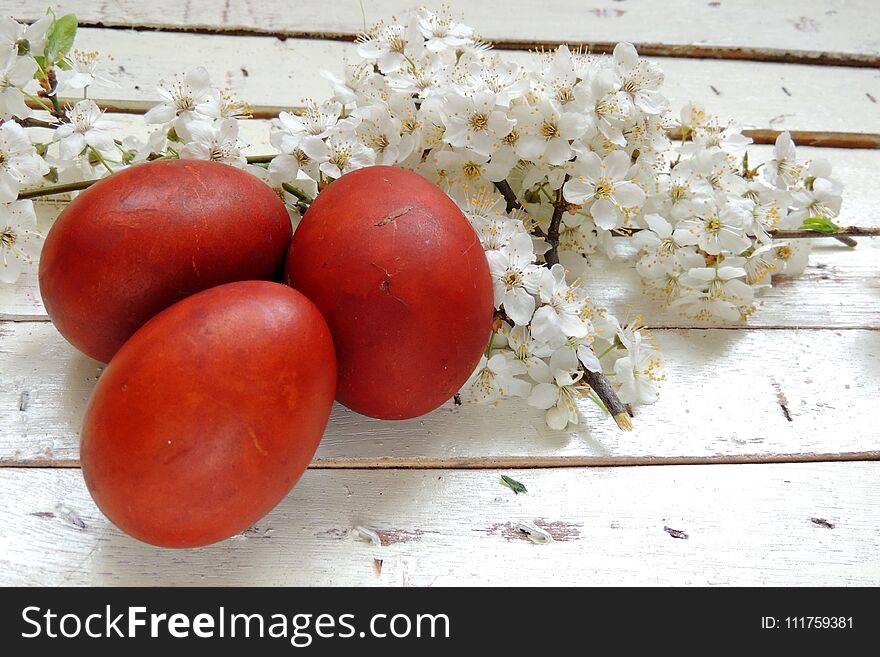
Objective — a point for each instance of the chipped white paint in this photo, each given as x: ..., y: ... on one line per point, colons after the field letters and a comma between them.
x: 729, y: 393
x: 268, y: 72
x: 831, y: 25
x: 745, y: 525
x: 722, y: 399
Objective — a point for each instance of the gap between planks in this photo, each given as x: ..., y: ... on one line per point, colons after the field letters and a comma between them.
x: 536, y: 463
x: 684, y: 51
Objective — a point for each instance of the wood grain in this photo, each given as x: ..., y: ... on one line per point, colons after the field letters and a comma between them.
x: 786, y: 27
x: 788, y: 524
x: 729, y: 395
x: 272, y: 74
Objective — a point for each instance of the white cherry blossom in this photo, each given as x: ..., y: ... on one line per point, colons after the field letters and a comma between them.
x: 20, y: 242
x: 85, y: 127
x: 603, y: 188
x: 19, y: 162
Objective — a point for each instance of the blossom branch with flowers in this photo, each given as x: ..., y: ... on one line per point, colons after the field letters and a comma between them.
x: 554, y: 160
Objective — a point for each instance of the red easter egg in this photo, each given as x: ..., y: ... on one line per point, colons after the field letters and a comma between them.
x: 209, y: 414
x: 402, y: 280
x: 151, y: 235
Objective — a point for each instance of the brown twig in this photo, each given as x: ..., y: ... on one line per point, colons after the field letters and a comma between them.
x: 844, y: 235
x: 57, y: 189
x: 51, y: 190
x: 512, y: 203
x: 603, y: 389
x: 559, y: 205
x: 37, y: 123
x: 818, y: 138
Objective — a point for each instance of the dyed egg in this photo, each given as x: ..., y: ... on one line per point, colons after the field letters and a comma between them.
x: 403, y: 282
x: 209, y: 414
x: 151, y: 235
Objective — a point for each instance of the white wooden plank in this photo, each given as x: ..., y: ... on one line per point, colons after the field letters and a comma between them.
x: 723, y: 400
x: 745, y: 525
x: 835, y: 25
x: 270, y: 72
x: 839, y: 289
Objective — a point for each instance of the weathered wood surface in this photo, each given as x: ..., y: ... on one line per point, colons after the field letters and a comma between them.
x: 271, y: 74
x: 803, y: 392
x: 836, y: 26
x: 729, y: 395
x: 802, y: 524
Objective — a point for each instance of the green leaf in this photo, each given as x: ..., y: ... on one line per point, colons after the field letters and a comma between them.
x: 820, y: 225
x: 41, y: 71
x: 59, y: 39
x: 513, y: 484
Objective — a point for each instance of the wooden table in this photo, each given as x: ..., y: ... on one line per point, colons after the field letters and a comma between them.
x: 757, y: 466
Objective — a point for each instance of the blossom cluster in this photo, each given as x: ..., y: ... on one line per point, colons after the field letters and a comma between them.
x: 554, y: 157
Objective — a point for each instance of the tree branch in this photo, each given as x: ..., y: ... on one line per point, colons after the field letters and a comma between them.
x: 559, y: 205
x: 57, y: 189
x: 844, y: 235
x: 616, y: 408
x: 51, y: 190
x: 37, y: 123
x: 512, y: 204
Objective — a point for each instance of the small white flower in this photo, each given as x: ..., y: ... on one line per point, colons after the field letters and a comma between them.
x: 545, y: 132
x: 20, y: 242
x: 83, y: 73
x: 515, y: 278
x: 760, y: 265
x: 660, y: 237
x: 441, y: 33
x: 506, y: 79
x: 486, y: 215
x: 32, y: 38
x: 392, y: 47
x: 15, y: 74
x: 684, y: 191
x: 424, y: 78
x: 703, y: 306
x: 530, y: 352
x: 85, y: 127
x: 495, y: 378
x: 558, y: 392
x: 822, y: 199
x: 782, y: 169
x: 380, y: 130
x: 722, y: 282
x: 636, y: 374
x: 640, y: 79
x: 182, y: 97
x: 719, y: 231
x: 319, y: 121
x: 338, y: 155
x: 660, y: 243
x: 213, y: 140
x: 19, y: 162
x: 562, y: 314
x: 729, y: 140
x: 603, y: 187
x: 794, y: 256
x: 282, y: 175
x: 611, y: 109
x: 473, y: 122
x: 467, y: 167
